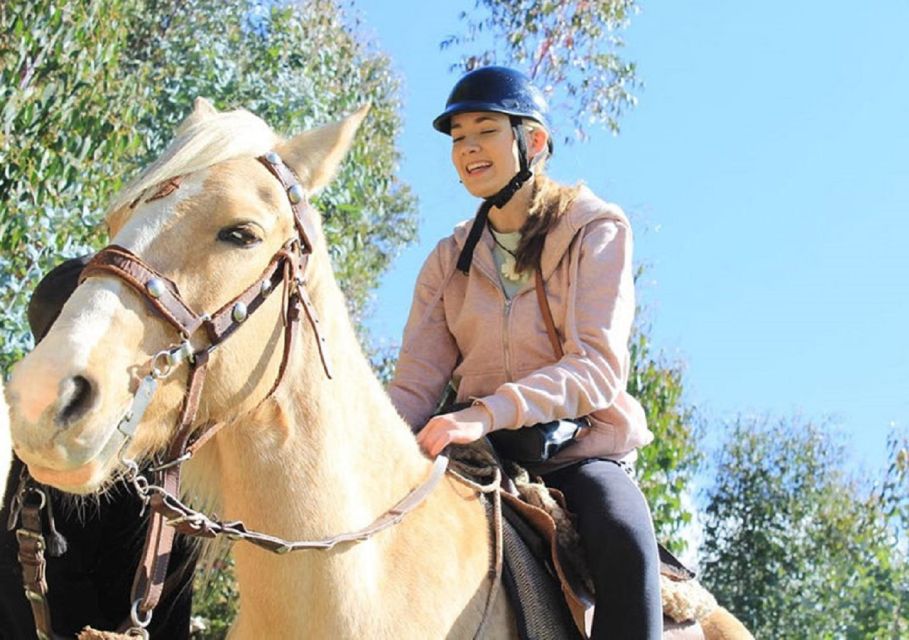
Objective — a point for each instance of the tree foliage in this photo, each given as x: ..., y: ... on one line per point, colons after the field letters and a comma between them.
x: 797, y: 548
x: 92, y: 91
x: 570, y: 48
x: 67, y: 133
x: 666, y: 466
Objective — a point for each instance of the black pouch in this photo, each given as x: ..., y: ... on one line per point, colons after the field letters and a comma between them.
x: 536, y: 443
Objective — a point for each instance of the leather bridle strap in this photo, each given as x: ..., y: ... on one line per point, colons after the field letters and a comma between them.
x: 272, y: 161
x: 158, y: 291
x: 287, y: 266
x: 148, y: 582
x: 31, y: 558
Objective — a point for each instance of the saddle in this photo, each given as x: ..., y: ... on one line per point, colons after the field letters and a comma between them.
x: 545, y: 574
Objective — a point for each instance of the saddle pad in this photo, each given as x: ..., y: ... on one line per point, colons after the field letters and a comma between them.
x: 535, y: 594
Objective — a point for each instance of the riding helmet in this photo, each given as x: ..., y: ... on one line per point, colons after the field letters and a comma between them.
x: 497, y: 89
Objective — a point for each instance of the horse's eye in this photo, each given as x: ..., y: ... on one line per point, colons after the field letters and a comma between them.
x: 242, y: 235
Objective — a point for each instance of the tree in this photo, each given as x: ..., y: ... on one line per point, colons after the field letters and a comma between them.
x: 296, y: 66
x: 797, y: 548
x: 666, y: 466
x: 570, y: 49
x: 94, y: 90
x: 68, y: 130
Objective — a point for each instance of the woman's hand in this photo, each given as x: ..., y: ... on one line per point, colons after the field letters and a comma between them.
x: 460, y: 427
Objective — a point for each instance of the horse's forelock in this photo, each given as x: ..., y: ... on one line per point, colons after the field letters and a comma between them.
x: 212, y: 140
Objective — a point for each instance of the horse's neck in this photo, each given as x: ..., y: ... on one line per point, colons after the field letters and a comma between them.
x: 321, y: 439
x: 324, y: 457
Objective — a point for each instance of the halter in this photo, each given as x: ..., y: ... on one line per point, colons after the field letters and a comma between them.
x: 287, y: 268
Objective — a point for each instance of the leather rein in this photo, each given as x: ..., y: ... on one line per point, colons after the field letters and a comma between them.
x: 286, y: 269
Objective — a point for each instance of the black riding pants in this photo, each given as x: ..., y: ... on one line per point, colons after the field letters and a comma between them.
x: 617, y: 535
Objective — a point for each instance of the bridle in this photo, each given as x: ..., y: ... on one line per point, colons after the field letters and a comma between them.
x: 286, y: 270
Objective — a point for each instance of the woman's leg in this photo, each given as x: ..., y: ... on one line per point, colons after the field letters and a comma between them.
x: 617, y: 535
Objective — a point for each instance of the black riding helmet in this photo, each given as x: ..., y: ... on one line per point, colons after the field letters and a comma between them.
x: 499, y: 90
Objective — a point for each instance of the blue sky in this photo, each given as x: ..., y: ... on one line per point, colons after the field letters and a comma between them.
x: 766, y: 174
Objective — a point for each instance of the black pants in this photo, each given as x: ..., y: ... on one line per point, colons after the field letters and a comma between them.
x: 617, y: 535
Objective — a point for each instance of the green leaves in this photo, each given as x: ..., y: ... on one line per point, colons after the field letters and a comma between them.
x: 665, y: 466
x: 58, y: 120
x: 795, y: 546
x: 93, y: 91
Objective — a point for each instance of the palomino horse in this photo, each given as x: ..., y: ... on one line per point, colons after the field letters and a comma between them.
x: 316, y: 457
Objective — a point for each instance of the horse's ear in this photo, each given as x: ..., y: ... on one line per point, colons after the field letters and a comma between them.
x: 202, y: 110
x: 316, y: 154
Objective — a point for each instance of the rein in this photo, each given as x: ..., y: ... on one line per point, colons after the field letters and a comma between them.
x: 168, y: 514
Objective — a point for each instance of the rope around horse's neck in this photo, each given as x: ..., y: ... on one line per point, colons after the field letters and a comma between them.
x: 188, y: 521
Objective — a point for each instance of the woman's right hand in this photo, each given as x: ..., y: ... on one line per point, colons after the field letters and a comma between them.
x: 461, y: 427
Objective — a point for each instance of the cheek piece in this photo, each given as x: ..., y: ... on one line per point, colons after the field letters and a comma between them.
x: 498, y: 199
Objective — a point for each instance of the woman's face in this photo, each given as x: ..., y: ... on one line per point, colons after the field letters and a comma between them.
x: 483, y: 151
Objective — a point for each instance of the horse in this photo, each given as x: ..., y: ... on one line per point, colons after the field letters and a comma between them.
x: 300, y: 442
x: 318, y: 456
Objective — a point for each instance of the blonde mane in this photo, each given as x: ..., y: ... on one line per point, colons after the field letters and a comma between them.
x: 200, y: 143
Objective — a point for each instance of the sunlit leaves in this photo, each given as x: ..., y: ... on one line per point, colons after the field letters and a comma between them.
x: 665, y: 467
x: 89, y: 92
x: 795, y: 546
x: 67, y: 130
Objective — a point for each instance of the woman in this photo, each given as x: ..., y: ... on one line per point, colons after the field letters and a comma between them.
x: 476, y: 323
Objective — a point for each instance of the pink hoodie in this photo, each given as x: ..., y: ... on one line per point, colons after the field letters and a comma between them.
x: 497, y: 351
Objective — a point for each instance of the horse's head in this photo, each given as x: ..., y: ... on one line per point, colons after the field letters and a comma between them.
x: 209, y: 217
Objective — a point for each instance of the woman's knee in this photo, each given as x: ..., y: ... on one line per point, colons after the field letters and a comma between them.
x: 620, y: 542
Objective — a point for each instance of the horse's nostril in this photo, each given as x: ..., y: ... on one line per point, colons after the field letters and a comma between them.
x: 76, y: 397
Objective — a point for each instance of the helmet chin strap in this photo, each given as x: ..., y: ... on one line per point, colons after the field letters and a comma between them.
x: 498, y: 199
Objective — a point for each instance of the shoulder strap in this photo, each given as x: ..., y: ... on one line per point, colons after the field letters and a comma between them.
x: 547, y: 315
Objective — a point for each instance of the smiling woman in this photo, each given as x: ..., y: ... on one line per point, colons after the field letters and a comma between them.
x: 476, y: 326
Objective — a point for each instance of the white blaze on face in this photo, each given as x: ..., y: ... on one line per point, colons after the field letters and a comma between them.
x: 145, y: 225
x: 86, y: 325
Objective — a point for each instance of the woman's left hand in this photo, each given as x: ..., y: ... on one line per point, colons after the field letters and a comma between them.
x: 461, y: 427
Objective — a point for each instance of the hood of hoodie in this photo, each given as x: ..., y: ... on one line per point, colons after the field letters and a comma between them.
x: 585, y: 208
